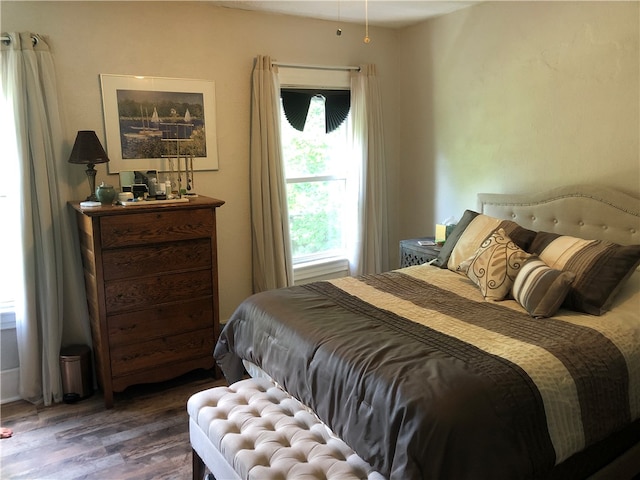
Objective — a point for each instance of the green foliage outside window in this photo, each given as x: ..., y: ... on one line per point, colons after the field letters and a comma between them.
x: 314, y: 217
x: 315, y: 205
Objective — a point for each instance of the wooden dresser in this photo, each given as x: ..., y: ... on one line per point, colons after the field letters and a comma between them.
x: 151, y: 276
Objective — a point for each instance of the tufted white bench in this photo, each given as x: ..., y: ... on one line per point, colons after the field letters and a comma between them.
x: 255, y: 430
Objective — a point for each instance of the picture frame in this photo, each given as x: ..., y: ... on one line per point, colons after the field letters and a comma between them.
x: 155, y: 123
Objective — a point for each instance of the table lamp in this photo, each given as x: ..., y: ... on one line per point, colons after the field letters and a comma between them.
x: 87, y: 150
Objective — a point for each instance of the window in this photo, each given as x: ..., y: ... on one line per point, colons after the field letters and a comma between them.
x: 10, y: 254
x: 316, y: 171
x: 319, y: 170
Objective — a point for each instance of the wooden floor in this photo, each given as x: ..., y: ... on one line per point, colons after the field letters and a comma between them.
x: 144, y: 436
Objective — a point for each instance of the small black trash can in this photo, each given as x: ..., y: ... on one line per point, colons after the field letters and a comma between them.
x: 75, y: 367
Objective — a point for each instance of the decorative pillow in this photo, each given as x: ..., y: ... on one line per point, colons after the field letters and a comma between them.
x: 540, y: 289
x: 601, y: 268
x: 494, y: 266
x: 477, y: 231
x: 453, y: 238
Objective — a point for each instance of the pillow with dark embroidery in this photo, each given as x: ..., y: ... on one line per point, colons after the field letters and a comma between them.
x: 495, y: 265
x: 471, y: 231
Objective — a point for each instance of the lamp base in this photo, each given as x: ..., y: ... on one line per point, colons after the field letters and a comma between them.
x: 91, y: 177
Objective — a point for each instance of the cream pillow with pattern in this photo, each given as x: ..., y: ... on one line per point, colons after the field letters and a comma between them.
x: 472, y: 230
x: 495, y: 265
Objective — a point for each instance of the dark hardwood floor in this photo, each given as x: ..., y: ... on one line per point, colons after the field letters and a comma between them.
x: 144, y: 436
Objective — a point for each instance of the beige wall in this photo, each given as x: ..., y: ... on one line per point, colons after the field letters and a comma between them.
x: 517, y: 96
x: 195, y: 40
x: 499, y: 97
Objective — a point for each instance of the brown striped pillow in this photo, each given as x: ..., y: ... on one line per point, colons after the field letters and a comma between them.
x: 540, y: 289
x: 601, y: 268
x: 495, y: 265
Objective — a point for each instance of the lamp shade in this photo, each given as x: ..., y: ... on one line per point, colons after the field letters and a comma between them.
x: 87, y: 149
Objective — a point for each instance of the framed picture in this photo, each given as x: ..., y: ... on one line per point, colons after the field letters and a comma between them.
x: 154, y: 123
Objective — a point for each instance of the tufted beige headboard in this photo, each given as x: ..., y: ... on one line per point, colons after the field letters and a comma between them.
x: 584, y: 211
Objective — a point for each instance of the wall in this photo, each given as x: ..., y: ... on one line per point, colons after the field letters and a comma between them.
x: 517, y: 97
x: 201, y: 41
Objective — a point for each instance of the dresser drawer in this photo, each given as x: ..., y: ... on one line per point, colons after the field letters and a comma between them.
x: 136, y: 327
x: 144, y: 292
x: 155, y: 227
x: 155, y: 259
x: 128, y: 359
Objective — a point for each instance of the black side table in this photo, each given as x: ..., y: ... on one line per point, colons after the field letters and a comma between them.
x: 412, y: 253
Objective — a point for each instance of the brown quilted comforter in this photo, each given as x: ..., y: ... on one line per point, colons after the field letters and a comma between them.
x: 424, y: 379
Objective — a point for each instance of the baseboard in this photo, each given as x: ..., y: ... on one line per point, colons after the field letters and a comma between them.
x: 9, y: 385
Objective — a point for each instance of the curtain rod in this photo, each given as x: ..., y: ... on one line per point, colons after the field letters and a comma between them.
x: 313, y: 67
x: 7, y: 39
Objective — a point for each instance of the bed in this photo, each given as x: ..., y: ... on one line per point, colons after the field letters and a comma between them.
x: 515, y: 355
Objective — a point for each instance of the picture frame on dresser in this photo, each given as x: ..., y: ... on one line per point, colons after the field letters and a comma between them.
x: 151, y: 279
x: 152, y: 122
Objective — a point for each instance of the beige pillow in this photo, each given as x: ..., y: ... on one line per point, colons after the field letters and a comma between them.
x: 495, y: 265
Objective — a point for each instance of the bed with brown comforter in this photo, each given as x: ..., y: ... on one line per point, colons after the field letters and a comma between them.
x: 425, y: 378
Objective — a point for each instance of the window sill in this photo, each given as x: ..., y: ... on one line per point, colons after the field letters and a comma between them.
x: 320, y: 270
x: 7, y: 320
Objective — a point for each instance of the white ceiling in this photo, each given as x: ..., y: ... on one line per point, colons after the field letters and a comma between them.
x: 383, y: 13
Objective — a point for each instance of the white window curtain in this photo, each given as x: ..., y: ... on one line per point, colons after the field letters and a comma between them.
x: 50, y: 293
x: 370, y: 252
x: 271, y: 244
x: 272, y: 263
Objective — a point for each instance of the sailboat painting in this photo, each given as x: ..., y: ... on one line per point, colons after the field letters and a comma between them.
x: 146, y: 118
x: 150, y: 121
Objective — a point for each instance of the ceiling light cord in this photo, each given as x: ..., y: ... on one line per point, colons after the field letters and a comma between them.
x: 366, y: 22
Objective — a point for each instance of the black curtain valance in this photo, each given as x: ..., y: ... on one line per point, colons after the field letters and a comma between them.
x: 295, y: 102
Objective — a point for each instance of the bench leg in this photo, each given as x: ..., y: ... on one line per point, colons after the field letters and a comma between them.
x: 198, y: 466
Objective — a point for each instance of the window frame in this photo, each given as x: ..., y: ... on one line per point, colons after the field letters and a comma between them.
x: 331, y: 263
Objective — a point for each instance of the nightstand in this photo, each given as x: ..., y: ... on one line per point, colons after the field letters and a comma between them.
x: 412, y: 253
